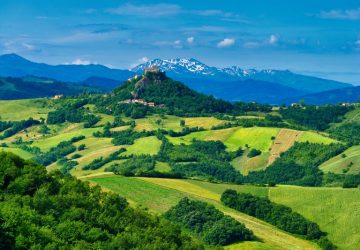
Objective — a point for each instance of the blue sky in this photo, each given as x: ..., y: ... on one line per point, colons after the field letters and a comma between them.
x: 315, y: 37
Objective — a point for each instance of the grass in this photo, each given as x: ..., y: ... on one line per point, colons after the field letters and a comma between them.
x: 16, y: 110
x: 308, y: 136
x: 147, y: 145
x: 255, y: 137
x: 160, y: 194
x: 214, y: 135
x: 141, y: 192
x: 245, y: 164
x: 51, y: 141
x: 284, y: 140
x: 18, y: 151
x: 342, y: 162
x: 173, y: 122
x: 335, y: 210
x: 162, y: 167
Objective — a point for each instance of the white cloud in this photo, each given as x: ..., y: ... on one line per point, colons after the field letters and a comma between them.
x: 154, y: 10
x: 177, y: 44
x: 190, y: 40
x: 227, y: 42
x: 79, y: 61
x: 141, y: 60
x: 351, y: 14
x: 28, y: 46
x: 273, y: 39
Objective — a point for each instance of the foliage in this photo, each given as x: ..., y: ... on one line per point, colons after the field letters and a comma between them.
x: 49, y: 211
x: 315, y: 117
x: 99, y: 162
x: 18, y: 126
x: 209, y: 223
x: 278, y: 215
x: 253, y: 152
x: 349, y: 132
x: 298, y: 165
x: 62, y: 149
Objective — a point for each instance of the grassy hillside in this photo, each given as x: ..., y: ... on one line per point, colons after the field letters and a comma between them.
x: 256, y: 137
x: 347, y: 162
x: 335, y: 210
x: 16, y: 110
x: 161, y: 194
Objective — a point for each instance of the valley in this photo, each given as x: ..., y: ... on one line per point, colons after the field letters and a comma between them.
x: 125, y: 148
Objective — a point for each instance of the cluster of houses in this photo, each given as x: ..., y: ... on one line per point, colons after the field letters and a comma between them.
x: 139, y: 101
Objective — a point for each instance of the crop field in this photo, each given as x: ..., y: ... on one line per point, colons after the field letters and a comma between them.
x: 308, y: 136
x: 209, y: 135
x: 159, y: 195
x: 245, y: 164
x: 336, y: 210
x: 16, y: 110
x: 155, y: 122
x: 46, y: 143
x: 255, y: 137
x: 348, y: 162
x: 147, y: 145
x: 283, y: 141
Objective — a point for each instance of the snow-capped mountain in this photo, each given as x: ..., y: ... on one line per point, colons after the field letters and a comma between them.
x: 179, y: 66
x: 184, y: 69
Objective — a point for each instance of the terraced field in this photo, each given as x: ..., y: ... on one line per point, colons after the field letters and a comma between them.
x: 347, y: 162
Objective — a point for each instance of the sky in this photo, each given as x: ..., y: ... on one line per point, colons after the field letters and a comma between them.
x: 314, y: 37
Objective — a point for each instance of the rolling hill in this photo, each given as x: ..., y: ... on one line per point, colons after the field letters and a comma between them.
x: 35, y: 87
x: 231, y: 84
x: 342, y: 95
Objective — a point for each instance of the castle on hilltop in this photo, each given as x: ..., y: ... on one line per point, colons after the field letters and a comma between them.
x: 152, y: 69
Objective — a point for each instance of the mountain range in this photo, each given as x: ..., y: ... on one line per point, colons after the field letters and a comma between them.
x: 231, y: 83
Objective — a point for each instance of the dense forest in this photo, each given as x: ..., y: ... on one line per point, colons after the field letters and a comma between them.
x: 40, y: 210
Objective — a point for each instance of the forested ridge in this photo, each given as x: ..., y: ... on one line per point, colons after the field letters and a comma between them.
x: 49, y: 211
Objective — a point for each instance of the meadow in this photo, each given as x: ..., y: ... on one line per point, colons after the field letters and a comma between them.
x: 347, y: 162
x: 16, y: 110
x: 335, y: 210
x: 160, y: 194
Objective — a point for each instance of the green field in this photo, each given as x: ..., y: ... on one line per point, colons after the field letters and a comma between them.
x: 18, y: 151
x: 51, y: 141
x: 15, y: 110
x: 147, y: 145
x: 308, y: 136
x: 209, y: 135
x: 255, y: 137
x: 348, y: 161
x: 245, y: 164
x: 171, y: 122
x: 160, y: 194
x: 336, y: 210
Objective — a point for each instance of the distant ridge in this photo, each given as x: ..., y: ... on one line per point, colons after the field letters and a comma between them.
x: 231, y: 83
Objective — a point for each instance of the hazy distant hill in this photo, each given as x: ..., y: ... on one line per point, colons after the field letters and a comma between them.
x: 232, y: 83
x: 351, y: 94
x: 34, y: 87
x: 17, y: 66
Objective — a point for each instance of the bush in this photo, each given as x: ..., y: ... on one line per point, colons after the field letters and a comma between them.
x: 209, y: 223
x: 253, y: 152
x: 278, y: 215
